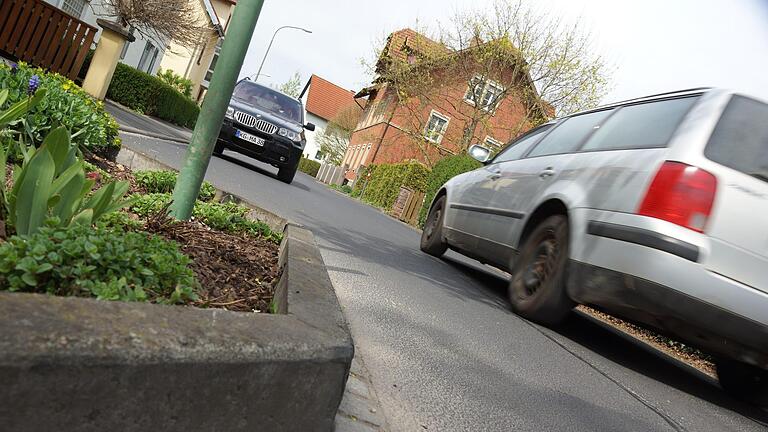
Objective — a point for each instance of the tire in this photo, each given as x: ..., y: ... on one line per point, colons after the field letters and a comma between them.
x: 743, y: 381
x: 286, y: 174
x: 537, y: 287
x: 218, y: 148
x: 432, y: 236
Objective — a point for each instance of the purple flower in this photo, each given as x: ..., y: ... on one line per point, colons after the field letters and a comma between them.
x: 34, y: 83
x: 14, y: 68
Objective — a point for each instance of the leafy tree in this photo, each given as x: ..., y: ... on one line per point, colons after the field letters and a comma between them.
x: 292, y: 87
x: 334, y: 139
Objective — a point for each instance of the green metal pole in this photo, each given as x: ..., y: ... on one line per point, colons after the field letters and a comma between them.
x: 241, y: 26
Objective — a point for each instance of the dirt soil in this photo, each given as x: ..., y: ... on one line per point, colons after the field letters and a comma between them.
x: 237, y: 273
x: 676, y: 349
x: 116, y: 170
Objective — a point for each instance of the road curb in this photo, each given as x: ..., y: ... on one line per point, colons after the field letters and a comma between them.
x: 143, y: 133
x: 96, y: 365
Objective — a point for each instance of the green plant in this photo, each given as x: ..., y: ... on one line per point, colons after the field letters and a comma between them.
x: 385, y: 181
x: 51, y: 183
x: 443, y: 171
x: 309, y: 167
x: 146, y: 93
x: 65, y: 104
x: 163, y: 181
x: 228, y: 217
x: 121, y: 220
x: 178, y: 82
x: 97, y: 262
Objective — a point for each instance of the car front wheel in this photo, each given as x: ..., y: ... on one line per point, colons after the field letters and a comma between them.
x: 286, y: 174
x: 432, y: 235
x: 537, y: 288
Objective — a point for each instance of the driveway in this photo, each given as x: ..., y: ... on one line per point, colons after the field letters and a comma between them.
x: 443, y: 349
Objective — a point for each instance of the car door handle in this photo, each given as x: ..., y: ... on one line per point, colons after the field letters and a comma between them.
x: 549, y: 172
x: 495, y: 173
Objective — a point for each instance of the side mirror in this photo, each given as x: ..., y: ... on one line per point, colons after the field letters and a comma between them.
x: 309, y: 127
x: 479, y: 153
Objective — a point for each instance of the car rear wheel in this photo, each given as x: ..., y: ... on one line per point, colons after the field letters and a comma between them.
x: 746, y: 382
x: 432, y: 235
x: 286, y: 174
x: 537, y: 288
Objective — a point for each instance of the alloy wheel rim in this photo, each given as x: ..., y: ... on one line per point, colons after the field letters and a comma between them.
x: 541, y: 267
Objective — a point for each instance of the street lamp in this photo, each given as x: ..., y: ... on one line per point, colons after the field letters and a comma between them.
x: 270, y: 46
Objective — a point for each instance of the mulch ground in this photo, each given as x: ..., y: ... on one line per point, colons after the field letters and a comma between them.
x: 676, y: 349
x: 237, y: 273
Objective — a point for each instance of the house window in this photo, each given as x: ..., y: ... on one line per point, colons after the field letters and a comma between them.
x: 74, y: 7
x: 493, y: 144
x: 214, y: 60
x: 436, y: 127
x: 485, y: 92
x: 148, y: 58
x: 126, y: 44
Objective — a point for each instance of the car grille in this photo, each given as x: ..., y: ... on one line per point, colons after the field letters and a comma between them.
x: 251, y: 121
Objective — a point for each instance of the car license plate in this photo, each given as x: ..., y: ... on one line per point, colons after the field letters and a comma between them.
x: 248, y: 137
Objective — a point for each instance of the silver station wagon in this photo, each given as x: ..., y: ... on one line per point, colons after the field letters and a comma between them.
x: 654, y: 210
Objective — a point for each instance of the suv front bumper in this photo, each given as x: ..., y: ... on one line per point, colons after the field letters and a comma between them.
x: 277, y: 151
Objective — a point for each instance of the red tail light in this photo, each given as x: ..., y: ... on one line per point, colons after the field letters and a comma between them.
x: 681, y: 194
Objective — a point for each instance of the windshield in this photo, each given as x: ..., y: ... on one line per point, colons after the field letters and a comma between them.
x: 269, y: 100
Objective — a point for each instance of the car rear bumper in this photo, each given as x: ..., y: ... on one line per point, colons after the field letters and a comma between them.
x: 650, y: 271
x: 275, y: 151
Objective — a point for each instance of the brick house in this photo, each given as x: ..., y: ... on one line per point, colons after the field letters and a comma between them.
x: 391, y: 132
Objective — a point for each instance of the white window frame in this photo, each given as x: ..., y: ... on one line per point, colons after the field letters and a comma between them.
x: 147, y: 64
x: 486, y: 83
x: 212, y: 64
x: 440, y: 134
x: 66, y: 3
x: 493, y: 143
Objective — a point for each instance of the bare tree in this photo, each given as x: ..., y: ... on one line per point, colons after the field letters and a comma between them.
x: 182, y: 21
x: 334, y: 139
x: 509, y: 51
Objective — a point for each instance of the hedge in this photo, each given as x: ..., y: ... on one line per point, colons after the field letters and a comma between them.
x: 148, y: 94
x: 309, y: 167
x: 383, y: 185
x: 443, y: 171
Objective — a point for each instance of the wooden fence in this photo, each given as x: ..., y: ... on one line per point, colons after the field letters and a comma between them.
x: 35, y: 32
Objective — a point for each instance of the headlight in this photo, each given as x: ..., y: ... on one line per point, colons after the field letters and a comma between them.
x: 230, y: 113
x: 289, y: 134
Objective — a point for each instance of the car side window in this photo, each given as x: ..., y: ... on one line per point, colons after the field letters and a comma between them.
x: 646, y: 125
x: 517, y: 149
x: 568, y: 136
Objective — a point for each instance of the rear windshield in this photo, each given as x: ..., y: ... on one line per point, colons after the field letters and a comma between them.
x: 740, y: 139
x: 268, y: 100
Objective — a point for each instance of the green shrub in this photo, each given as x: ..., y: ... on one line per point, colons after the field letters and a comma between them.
x: 227, y: 217
x: 163, y: 181
x: 50, y: 186
x: 65, y: 104
x: 309, y: 167
x: 386, y: 179
x: 108, y: 264
x: 443, y: 171
x: 178, y: 82
x: 148, y: 94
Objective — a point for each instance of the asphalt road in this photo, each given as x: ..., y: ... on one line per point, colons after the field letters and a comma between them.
x: 443, y: 349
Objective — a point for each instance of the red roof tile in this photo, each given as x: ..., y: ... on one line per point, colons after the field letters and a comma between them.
x: 326, y: 99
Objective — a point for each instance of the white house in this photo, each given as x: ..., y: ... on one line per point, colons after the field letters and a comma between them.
x: 144, y: 53
x: 323, y: 100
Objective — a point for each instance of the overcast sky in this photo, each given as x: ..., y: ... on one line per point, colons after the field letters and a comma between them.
x: 652, y: 45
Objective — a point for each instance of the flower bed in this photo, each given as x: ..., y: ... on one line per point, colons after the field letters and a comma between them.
x: 65, y: 104
x: 76, y: 224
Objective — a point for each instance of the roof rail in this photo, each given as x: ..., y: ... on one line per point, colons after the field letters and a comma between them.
x: 661, y: 94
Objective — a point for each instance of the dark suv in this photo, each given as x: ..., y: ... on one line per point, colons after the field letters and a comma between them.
x: 266, y: 125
